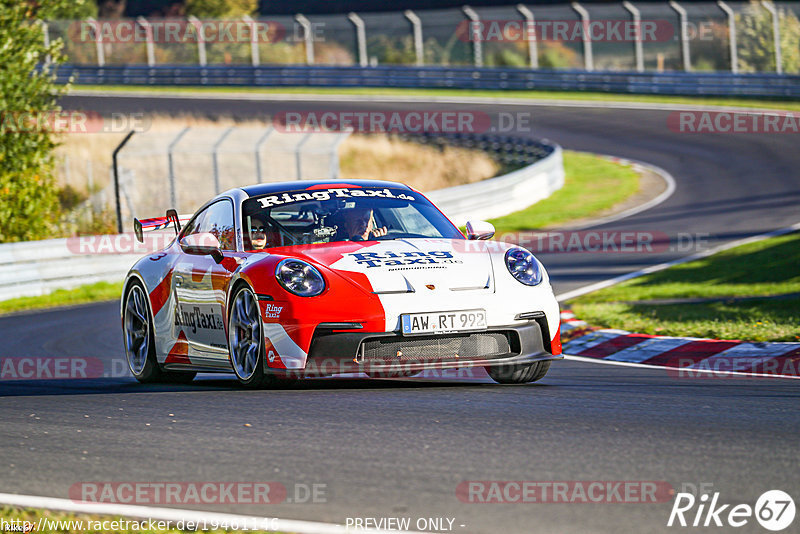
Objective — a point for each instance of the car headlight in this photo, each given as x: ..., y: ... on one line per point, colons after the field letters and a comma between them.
x: 300, y: 278
x: 523, y: 266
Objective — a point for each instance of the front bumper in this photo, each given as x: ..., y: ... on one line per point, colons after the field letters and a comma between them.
x: 389, y: 353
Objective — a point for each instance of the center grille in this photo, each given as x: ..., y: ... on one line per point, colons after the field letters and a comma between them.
x: 455, y: 347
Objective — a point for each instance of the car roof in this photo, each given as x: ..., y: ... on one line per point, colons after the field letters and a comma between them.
x: 299, y: 185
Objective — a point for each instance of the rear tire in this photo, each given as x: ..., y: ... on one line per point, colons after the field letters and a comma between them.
x: 140, y: 346
x: 519, y: 374
x: 137, y: 332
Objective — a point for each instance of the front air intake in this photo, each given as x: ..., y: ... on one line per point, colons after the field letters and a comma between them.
x: 455, y: 347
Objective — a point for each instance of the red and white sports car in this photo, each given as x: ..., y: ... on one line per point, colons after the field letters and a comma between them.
x: 285, y: 280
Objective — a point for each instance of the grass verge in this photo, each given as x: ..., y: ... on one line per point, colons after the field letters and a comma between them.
x: 466, y: 93
x: 749, y: 292
x: 69, y: 523
x: 591, y: 186
x: 65, y: 297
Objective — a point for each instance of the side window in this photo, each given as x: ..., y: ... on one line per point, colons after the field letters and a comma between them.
x: 216, y: 219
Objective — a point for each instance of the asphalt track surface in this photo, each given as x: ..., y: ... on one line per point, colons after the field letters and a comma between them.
x: 399, y: 448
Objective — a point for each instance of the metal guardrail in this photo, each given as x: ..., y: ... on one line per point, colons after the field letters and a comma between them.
x: 665, y: 83
x: 35, y: 268
x: 508, y: 150
x: 39, y: 267
x: 504, y: 194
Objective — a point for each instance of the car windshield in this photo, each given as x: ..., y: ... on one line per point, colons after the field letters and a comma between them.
x: 341, y: 214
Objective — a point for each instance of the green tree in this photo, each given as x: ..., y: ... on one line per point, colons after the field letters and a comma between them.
x: 755, y: 40
x: 217, y: 9
x: 28, y: 197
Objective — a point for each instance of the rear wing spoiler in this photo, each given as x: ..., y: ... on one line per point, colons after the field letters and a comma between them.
x: 158, y: 223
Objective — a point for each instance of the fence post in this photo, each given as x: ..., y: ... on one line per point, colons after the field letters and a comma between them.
x: 687, y: 60
x: 475, y: 37
x: 416, y: 28
x: 201, y: 42
x: 530, y: 35
x: 308, y: 37
x: 148, y: 30
x: 214, y: 160
x: 115, y: 169
x: 89, y: 176
x: 334, y: 168
x: 637, y: 43
x: 46, y: 36
x: 776, y: 34
x: 173, y: 194
x: 298, y: 155
x: 588, y: 58
x: 732, y: 32
x: 255, y: 55
x: 361, y: 38
x: 98, y: 41
x: 259, y: 144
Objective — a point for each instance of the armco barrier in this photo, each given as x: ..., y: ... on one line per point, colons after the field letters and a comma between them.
x: 663, y: 83
x: 39, y: 267
x: 504, y: 194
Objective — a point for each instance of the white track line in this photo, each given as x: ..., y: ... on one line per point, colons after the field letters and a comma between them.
x: 176, y: 515
x: 283, y: 97
x: 675, y: 370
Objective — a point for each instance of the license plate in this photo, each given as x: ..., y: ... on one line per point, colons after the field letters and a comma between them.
x: 443, y: 322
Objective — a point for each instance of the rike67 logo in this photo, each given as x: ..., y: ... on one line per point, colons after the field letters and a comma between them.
x: 774, y: 510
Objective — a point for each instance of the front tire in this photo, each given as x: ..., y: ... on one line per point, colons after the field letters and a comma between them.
x: 519, y: 374
x: 245, y: 341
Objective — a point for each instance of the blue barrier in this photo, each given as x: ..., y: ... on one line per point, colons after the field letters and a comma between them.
x: 665, y: 83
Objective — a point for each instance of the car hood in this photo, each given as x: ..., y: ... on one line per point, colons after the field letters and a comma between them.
x: 410, y: 265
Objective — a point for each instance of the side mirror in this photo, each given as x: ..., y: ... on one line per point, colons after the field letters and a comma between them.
x: 479, y: 230
x: 202, y: 244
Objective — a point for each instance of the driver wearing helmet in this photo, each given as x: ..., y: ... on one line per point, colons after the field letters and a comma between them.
x: 358, y: 224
